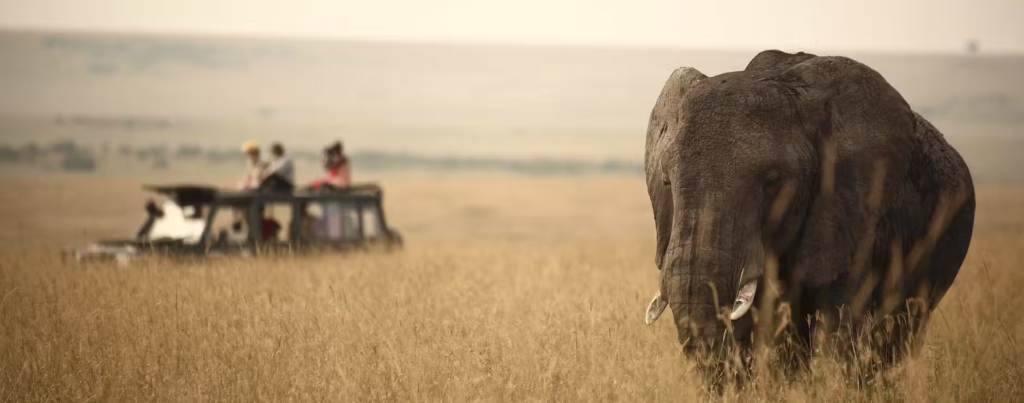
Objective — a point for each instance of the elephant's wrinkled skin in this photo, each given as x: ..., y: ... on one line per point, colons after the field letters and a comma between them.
x: 816, y: 163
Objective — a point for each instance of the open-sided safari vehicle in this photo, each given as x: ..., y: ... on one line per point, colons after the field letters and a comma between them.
x: 199, y: 221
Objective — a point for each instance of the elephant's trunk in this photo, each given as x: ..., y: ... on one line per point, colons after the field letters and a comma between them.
x: 710, y: 246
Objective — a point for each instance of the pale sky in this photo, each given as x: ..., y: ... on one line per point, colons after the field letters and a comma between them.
x: 859, y: 25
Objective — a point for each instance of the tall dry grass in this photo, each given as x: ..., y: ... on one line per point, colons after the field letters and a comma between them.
x: 495, y: 323
x: 490, y: 320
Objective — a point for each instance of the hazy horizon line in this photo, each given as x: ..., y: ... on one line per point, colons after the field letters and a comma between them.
x: 383, y: 40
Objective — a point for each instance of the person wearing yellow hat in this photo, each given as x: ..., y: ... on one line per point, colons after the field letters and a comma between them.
x: 254, y: 167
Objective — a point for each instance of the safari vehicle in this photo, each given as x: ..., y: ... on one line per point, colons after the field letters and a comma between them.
x: 200, y: 221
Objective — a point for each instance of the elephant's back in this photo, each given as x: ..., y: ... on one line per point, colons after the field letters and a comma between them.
x: 938, y: 160
x: 944, y: 179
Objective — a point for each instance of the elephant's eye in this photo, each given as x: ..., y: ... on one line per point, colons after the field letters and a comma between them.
x: 772, y: 180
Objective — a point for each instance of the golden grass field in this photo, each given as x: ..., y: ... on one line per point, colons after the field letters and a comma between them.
x: 508, y: 290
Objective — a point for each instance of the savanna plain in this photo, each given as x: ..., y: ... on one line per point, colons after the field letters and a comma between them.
x: 508, y: 289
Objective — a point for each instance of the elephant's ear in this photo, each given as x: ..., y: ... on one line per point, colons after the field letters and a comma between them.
x: 666, y: 122
x: 668, y: 112
x: 863, y: 130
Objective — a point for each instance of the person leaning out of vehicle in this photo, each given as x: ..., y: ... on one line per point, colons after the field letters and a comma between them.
x: 280, y: 174
x: 255, y: 167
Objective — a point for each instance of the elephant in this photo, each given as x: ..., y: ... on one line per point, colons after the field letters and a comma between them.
x: 803, y: 181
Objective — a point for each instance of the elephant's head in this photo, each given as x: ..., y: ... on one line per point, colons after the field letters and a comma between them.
x: 742, y: 168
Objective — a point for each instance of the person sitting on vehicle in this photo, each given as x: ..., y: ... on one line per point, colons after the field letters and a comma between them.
x: 250, y: 180
x: 280, y: 174
x: 339, y: 171
x: 254, y: 168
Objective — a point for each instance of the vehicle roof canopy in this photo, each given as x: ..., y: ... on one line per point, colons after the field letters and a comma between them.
x: 191, y: 195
